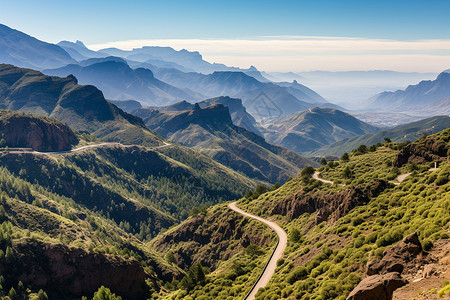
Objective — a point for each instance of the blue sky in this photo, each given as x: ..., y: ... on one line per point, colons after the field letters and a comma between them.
x: 99, y: 22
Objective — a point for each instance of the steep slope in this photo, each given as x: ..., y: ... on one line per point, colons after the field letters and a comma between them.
x: 82, y: 107
x: 420, y: 97
x: 18, y: 130
x: 211, y: 130
x: 314, y: 128
x: 401, y: 133
x: 20, y: 49
x: 118, y: 81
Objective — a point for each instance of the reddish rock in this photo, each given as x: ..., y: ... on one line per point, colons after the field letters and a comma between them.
x: 396, y: 257
x: 67, y: 272
x: 39, y: 133
x: 377, y: 287
x: 328, y: 206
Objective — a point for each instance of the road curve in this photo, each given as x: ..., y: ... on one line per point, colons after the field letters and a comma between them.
x: 268, y: 272
x: 316, y: 177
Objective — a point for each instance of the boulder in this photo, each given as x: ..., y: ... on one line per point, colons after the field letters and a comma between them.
x: 377, y: 287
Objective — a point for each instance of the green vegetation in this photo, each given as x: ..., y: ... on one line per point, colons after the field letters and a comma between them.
x: 325, y: 260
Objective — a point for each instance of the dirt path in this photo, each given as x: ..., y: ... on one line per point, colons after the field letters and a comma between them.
x: 271, y: 265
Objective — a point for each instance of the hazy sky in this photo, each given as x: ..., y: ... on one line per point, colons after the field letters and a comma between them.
x: 272, y: 35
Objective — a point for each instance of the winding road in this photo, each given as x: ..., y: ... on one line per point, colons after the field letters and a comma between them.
x: 82, y: 148
x: 271, y: 265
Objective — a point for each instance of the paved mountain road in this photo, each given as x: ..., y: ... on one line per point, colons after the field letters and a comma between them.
x: 82, y: 148
x: 271, y: 265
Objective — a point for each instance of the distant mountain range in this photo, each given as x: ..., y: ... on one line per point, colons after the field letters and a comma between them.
x: 402, y: 133
x: 264, y: 100
x: 158, y: 76
x: 22, y: 50
x: 314, y: 128
x: 82, y: 107
x: 423, y: 98
x: 118, y: 81
x: 210, y: 129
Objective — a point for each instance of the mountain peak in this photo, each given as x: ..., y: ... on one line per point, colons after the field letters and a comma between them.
x: 80, y: 43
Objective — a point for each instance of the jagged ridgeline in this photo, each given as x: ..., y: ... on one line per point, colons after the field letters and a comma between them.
x: 364, y: 226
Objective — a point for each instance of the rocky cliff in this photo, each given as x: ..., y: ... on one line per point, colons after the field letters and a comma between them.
x: 42, y: 134
x: 73, y: 272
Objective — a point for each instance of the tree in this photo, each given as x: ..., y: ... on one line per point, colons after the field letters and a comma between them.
x: 12, y: 294
x: 387, y: 140
x: 345, y: 157
x: 362, y: 149
x: 9, y: 255
x: 323, y: 161
x: 307, y: 172
x: 103, y: 293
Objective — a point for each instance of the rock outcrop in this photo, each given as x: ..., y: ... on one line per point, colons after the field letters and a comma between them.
x: 328, y: 206
x: 377, y: 287
x: 425, y: 150
x: 42, y: 134
x: 73, y: 272
x: 395, y: 258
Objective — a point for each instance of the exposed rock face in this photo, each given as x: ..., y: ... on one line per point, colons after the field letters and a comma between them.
x: 26, y: 131
x: 328, y: 205
x: 424, y: 151
x: 73, y: 272
x: 377, y: 287
x: 396, y: 257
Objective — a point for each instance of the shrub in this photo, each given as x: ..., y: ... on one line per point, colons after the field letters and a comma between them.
x: 297, y: 274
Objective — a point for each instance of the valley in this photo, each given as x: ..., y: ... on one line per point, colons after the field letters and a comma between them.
x: 135, y: 168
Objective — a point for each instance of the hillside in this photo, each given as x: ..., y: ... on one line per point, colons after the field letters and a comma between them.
x: 350, y: 238
x: 119, y: 82
x: 402, y: 133
x: 82, y: 107
x: 22, y: 50
x: 79, y: 51
x: 211, y: 131
x: 18, y: 130
x: 421, y: 97
x: 314, y: 128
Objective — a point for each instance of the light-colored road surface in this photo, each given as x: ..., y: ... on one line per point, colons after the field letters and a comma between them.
x: 316, y: 177
x: 84, y: 148
x: 400, y: 178
x: 278, y: 253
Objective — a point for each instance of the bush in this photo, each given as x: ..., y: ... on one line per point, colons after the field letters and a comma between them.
x: 297, y: 274
x: 103, y: 293
x: 307, y: 172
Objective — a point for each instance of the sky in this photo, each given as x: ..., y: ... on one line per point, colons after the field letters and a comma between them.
x: 272, y: 35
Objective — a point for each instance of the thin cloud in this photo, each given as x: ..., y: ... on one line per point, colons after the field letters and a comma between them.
x: 303, y: 53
